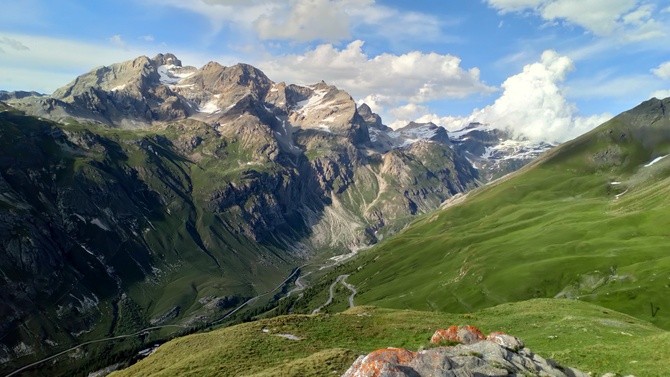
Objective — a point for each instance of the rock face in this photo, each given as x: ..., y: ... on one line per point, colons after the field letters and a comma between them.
x: 335, y: 166
x: 458, y: 334
x: 498, y: 354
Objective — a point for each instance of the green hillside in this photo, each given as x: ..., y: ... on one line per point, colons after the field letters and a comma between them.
x: 573, y: 333
x: 106, y: 232
x: 589, y: 221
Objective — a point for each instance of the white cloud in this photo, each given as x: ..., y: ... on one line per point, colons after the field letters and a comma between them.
x: 627, y: 18
x: 532, y: 105
x: 309, y: 20
x: 147, y: 38
x: 386, y: 79
x: 406, y: 113
x: 304, y: 21
x: 663, y: 71
x: 117, y: 41
x: 661, y: 94
x: 505, y: 6
x: 601, y: 17
x: 49, y: 63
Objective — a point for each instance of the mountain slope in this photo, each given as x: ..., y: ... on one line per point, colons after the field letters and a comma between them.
x: 573, y: 333
x: 104, y: 233
x: 588, y: 221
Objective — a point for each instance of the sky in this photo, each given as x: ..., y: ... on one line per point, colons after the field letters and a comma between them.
x: 545, y: 69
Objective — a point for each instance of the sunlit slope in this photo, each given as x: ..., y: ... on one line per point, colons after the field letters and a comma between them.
x: 573, y: 333
x: 591, y: 220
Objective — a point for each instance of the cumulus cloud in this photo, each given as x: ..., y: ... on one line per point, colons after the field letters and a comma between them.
x: 386, y: 79
x: 628, y: 18
x: 406, y: 113
x: 304, y: 21
x: 532, y: 105
x: 310, y: 20
x: 661, y: 94
x: 147, y: 38
x: 663, y: 71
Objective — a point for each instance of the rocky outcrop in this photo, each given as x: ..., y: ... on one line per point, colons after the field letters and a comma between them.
x: 458, y: 334
x: 498, y: 354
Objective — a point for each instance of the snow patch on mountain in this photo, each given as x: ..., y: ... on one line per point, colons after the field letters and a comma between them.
x: 171, y: 74
x: 314, y: 102
x: 408, y: 135
x: 657, y: 159
x: 462, y: 134
x: 211, y: 106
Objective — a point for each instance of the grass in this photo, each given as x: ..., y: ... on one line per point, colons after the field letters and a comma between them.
x: 558, y: 228
x: 574, y: 333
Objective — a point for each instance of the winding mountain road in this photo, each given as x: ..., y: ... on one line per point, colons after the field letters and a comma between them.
x: 146, y: 330
x: 340, y: 279
x: 352, y: 289
x: 299, y: 285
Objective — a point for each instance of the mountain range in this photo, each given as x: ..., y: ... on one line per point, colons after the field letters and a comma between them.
x: 149, y: 193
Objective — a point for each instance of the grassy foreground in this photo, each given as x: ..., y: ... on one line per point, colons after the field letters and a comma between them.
x: 571, y: 332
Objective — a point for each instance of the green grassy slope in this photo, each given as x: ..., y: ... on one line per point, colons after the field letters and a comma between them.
x: 120, y: 235
x: 574, y: 333
x: 589, y: 221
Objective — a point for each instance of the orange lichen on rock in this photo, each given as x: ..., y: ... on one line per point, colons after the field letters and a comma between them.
x: 382, y: 362
x: 459, y: 334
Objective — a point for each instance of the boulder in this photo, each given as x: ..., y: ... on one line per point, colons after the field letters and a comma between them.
x: 508, y: 341
x: 499, y: 354
x: 459, y: 334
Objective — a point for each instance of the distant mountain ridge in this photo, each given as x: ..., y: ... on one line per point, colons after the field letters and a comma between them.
x: 143, y: 91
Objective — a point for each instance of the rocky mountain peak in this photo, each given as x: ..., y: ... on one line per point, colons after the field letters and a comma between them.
x: 212, y: 66
x: 166, y: 59
x: 364, y: 110
x: 372, y: 119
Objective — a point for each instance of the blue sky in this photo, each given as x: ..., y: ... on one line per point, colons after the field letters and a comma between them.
x: 549, y: 69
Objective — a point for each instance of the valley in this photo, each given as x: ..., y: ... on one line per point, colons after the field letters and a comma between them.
x: 146, y: 194
x: 146, y: 201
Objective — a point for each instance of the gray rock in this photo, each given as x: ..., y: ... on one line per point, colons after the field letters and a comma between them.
x: 484, y: 358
